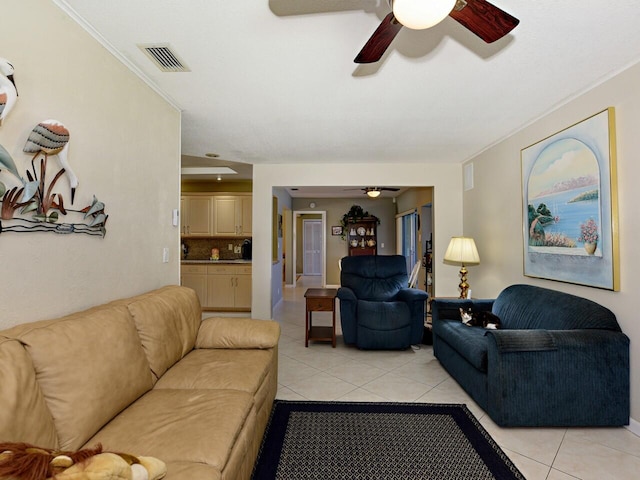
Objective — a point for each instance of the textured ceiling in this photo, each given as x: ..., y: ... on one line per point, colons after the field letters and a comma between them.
x: 273, y: 81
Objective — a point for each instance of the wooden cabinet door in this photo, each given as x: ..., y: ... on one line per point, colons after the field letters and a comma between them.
x: 225, y: 217
x: 199, y: 216
x: 243, y: 291
x: 197, y: 281
x: 221, y: 291
x: 184, y: 214
x: 246, y: 217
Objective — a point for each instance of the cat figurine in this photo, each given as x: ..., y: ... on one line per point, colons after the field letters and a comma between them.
x: 479, y: 319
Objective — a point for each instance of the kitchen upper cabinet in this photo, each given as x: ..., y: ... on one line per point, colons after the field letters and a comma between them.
x: 232, y: 215
x: 247, y: 215
x: 196, y: 216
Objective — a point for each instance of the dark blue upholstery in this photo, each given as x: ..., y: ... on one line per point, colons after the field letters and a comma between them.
x: 558, y: 360
x: 377, y: 309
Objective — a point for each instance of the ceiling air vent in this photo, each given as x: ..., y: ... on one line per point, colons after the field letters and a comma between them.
x: 165, y: 59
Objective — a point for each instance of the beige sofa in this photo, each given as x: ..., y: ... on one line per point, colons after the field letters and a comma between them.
x: 147, y: 376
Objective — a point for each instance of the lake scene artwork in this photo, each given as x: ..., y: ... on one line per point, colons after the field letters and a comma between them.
x: 569, y: 205
x: 564, y: 200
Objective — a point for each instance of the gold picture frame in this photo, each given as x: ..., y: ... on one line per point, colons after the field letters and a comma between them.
x: 570, y: 205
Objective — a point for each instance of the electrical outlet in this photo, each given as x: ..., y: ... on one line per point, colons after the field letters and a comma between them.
x: 231, y: 246
x: 165, y: 255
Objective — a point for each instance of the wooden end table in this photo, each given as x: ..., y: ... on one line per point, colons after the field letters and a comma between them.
x: 320, y: 300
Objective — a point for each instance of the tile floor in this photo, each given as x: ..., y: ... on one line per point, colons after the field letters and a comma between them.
x: 321, y: 372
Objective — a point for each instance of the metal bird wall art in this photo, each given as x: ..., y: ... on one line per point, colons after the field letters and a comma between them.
x: 33, y: 206
x: 51, y: 137
x: 8, y: 91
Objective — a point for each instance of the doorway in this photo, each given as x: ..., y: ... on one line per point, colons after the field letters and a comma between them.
x: 318, y: 243
x: 312, y: 243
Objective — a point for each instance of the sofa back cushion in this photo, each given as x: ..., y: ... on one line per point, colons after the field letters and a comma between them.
x: 167, y: 321
x: 374, y: 277
x: 24, y: 416
x: 531, y: 307
x: 90, y: 366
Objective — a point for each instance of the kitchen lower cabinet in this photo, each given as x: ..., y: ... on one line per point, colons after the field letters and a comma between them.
x: 229, y: 287
x: 195, y: 277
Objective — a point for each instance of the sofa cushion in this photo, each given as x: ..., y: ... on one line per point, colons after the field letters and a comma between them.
x: 219, y: 369
x: 199, y: 426
x: 470, y: 342
x: 24, y: 416
x: 531, y: 307
x: 167, y: 321
x: 90, y: 366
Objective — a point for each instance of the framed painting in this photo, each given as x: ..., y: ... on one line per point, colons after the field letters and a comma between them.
x: 336, y: 230
x: 570, y: 205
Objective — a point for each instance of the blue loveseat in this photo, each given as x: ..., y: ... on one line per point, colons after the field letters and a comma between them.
x: 557, y: 360
x: 377, y: 309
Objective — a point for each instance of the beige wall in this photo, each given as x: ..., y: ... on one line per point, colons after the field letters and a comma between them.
x: 446, y: 180
x: 492, y: 209
x: 124, y: 148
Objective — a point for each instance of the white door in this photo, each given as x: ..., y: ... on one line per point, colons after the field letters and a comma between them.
x: 312, y: 242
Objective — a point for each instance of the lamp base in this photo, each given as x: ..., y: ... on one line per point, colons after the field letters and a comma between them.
x: 464, y: 286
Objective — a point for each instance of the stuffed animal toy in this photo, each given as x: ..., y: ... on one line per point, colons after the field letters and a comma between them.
x: 21, y: 461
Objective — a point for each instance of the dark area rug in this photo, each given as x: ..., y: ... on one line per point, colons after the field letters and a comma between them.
x: 378, y: 441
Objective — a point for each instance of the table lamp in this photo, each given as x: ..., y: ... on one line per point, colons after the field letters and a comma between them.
x: 462, y: 251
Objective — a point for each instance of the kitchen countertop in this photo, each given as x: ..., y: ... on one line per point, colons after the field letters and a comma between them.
x: 215, y: 262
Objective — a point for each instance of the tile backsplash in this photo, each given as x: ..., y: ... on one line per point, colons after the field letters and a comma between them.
x: 200, y: 248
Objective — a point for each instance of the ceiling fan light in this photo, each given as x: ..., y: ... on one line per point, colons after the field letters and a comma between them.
x: 373, y: 193
x: 421, y: 14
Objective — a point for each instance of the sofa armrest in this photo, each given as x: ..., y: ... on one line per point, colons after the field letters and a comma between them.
x: 449, y: 308
x: 224, y: 332
x: 566, y: 377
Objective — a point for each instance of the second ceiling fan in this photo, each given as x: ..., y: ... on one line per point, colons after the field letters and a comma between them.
x: 479, y: 16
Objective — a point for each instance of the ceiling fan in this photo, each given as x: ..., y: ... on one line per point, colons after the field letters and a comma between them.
x: 375, y: 191
x: 479, y: 16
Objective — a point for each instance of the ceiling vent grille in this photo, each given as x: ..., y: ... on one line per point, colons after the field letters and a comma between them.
x: 164, y: 58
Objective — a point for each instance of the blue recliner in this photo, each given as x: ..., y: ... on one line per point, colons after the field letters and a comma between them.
x: 377, y: 309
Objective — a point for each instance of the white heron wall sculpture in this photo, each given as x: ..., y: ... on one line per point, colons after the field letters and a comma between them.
x: 8, y: 91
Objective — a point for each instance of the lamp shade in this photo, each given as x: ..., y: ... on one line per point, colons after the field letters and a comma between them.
x: 462, y: 250
x: 373, y: 193
x: 421, y: 14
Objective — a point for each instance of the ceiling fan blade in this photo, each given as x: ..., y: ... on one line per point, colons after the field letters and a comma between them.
x: 484, y: 19
x: 391, y: 189
x: 379, y: 41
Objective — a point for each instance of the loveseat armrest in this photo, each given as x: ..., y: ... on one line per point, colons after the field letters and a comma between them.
x: 449, y: 308
x: 558, y: 377
x: 225, y: 332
